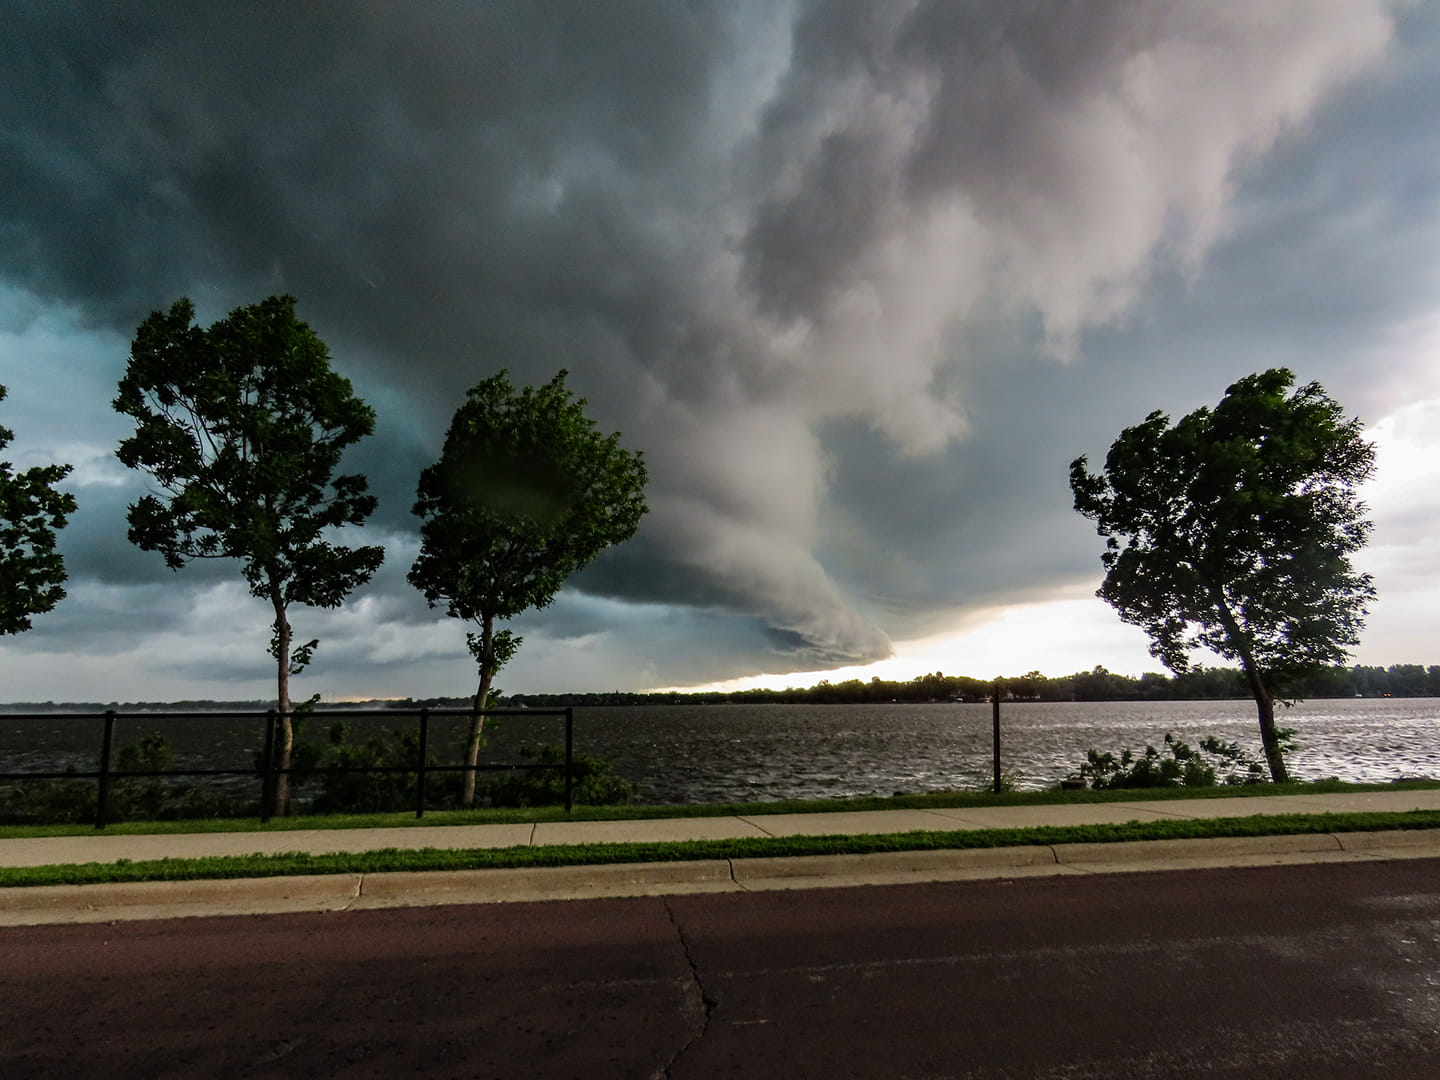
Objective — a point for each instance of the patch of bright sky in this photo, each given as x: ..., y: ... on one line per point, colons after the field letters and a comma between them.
x: 1057, y: 637
x: 76, y: 368
x: 1077, y: 631
x: 1403, y: 557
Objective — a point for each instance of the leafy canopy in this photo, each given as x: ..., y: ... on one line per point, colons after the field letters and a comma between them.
x: 1233, y: 529
x: 525, y: 493
x: 242, y: 426
x: 31, y: 511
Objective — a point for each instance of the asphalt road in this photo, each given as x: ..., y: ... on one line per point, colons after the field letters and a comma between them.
x: 1299, y: 971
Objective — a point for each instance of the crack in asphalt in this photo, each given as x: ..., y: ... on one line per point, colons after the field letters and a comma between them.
x: 701, y: 1013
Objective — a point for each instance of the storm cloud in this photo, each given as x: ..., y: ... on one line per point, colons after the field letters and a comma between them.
x: 858, y: 278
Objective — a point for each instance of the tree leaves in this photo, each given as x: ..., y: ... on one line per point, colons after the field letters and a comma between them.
x: 1245, y: 514
x: 525, y: 493
x: 242, y: 426
x: 31, y: 511
x: 1238, y: 525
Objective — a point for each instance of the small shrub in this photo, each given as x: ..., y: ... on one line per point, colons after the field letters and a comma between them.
x: 152, y: 798
x: 595, y: 782
x: 47, y: 802
x: 1179, y: 765
x: 1010, y: 780
x: 1237, y: 765
x: 1182, y: 768
x: 372, y: 792
x: 131, y: 798
x: 141, y: 797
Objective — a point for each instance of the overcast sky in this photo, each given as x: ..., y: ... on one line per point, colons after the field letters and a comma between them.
x: 859, y: 279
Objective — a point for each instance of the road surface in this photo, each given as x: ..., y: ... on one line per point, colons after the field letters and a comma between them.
x: 1300, y: 971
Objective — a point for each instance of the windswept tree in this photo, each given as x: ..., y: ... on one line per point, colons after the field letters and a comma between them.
x: 242, y: 427
x: 525, y: 493
x: 31, y: 511
x: 1233, y: 531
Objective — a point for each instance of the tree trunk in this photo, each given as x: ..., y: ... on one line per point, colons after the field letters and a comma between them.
x: 1265, y: 704
x: 1264, y: 701
x: 477, y: 717
x: 1271, y: 737
x: 287, y: 722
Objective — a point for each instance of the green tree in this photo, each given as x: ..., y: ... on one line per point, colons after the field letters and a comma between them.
x: 1238, y: 524
x: 1407, y: 680
x: 242, y: 426
x: 31, y: 510
x: 525, y: 493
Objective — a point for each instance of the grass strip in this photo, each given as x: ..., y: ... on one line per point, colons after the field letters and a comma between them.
x: 391, y: 860
x: 643, y: 812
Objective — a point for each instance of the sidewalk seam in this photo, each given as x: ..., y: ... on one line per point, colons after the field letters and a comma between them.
x: 939, y: 814
x: 755, y: 825
x: 1169, y: 815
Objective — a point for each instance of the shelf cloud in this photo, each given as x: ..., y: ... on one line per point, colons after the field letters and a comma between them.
x: 859, y: 279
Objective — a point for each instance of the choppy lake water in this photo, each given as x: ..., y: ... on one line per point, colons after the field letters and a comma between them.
x: 733, y: 753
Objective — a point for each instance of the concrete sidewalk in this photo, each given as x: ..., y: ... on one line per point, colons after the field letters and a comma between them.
x: 21, y: 906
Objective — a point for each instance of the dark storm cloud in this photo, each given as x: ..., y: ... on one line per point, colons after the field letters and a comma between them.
x: 447, y: 194
x: 337, y: 142
x: 817, y: 262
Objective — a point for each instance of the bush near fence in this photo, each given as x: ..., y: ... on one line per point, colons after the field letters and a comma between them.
x: 384, y: 773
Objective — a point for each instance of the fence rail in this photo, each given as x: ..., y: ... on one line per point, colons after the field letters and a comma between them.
x: 269, y: 770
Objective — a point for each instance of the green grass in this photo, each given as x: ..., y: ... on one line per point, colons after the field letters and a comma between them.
x: 949, y: 800
x: 393, y: 860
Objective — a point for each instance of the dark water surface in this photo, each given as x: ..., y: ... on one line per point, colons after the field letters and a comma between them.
x: 735, y: 753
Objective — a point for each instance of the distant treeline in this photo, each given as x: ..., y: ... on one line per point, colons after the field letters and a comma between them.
x: 203, y: 705
x: 1097, y: 684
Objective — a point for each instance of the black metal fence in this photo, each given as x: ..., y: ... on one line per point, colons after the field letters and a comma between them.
x: 269, y: 770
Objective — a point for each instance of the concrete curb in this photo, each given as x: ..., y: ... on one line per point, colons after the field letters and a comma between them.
x: 896, y: 868
x: 433, y: 888
x: 353, y: 892
x: 125, y: 901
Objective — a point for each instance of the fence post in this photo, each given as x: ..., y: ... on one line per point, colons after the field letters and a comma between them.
x: 995, y: 718
x: 569, y: 756
x: 267, y: 768
x: 420, y: 767
x: 102, y: 797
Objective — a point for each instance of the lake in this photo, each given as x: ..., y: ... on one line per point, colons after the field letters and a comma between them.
x: 737, y: 753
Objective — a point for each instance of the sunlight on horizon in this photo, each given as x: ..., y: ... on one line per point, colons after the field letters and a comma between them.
x: 1056, y: 638
x: 1078, y: 631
